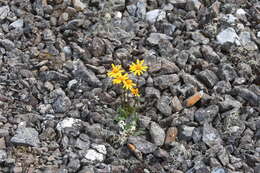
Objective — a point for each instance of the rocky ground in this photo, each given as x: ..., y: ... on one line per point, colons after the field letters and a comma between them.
x: 200, y: 98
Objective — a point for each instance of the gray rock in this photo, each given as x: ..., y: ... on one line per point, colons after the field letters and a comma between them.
x: 164, y: 81
x: 209, y: 54
x: 168, y: 67
x: 222, y: 87
x: 186, y: 132
x: 100, y: 148
x: 78, y: 5
x: 189, y: 79
x: 182, y: 58
x: 142, y: 145
x: 199, y: 37
x: 160, y: 153
x: 193, y: 5
x: 227, y: 72
x: 68, y: 123
x: 26, y: 136
x: 176, y: 104
x: 98, y: 47
x: 94, y: 156
x: 245, y: 39
x: 140, y: 9
x: 228, y: 35
x: 18, y: 24
x: 164, y: 105
x: 210, y: 136
x: 61, y: 102
x: 7, y: 44
x: 151, y: 92
x: 80, y: 71
x: 48, y: 35
x: 144, y: 121
x: 208, y: 114
x: 53, y: 75
x: 166, y: 28
x: 152, y: 15
x: 247, y: 95
x: 73, y: 165
x: 154, y: 38
x: 4, y: 11
x: 218, y: 170
x: 3, y: 156
x: 197, y: 135
x: 208, y: 77
x: 157, y: 134
x: 229, y: 103
x: 82, y: 145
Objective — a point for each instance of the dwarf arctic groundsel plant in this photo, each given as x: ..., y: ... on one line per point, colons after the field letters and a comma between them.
x: 127, y: 112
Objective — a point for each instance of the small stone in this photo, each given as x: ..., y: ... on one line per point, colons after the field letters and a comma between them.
x: 152, y: 16
x: 200, y: 38
x: 17, y: 24
x: 3, y: 156
x: 142, y: 145
x: 228, y: 35
x: 7, y: 44
x: 171, y: 135
x: 241, y: 13
x: 186, y: 132
x: 157, y: 134
x: 222, y: 87
x: 208, y: 114
x: 78, y: 5
x: 209, y: 54
x: 80, y: 71
x: 4, y: 11
x: 160, y: 153
x: 176, y: 104
x: 154, y: 38
x: 210, y: 135
x: 48, y: 35
x: 164, y: 105
x: 190, y: 79
x: 193, y: 99
x: 151, y: 92
x: 67, y: 123
x: 208, y: 77
x: 93, y: 155
x: 248, y: 95
x: 227, y: 72
x: 98, y: 47
x: 2, y: 143
x: 144, y: 121
x: 100, y: 148
x: 168, y: 67
x: 164, y: 81
x: 83, y: 145
x: 218, y: 170
x: 193, y: 5
x: 26, y: 136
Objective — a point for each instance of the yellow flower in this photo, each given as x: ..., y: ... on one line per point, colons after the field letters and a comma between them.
x: 128, y: 84
x: 120, y: 78
x: 138, y: 68
x: 116, y: 70
x: 135, y: 92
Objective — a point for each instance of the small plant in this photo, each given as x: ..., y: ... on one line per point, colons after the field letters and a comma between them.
x: 127, y: 112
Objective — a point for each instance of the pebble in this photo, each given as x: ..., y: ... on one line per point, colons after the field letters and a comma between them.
x: 157, y: 134
x: 228, y: 35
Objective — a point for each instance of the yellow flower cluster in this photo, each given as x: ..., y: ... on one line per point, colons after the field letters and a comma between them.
x: 120, y: 77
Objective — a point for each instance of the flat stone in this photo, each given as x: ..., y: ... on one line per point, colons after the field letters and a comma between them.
x: 199, y: 37
x: 164, y: 81
x: 186, y: 132
x: 151, y: 92
x: 154, y: 38
x: 248, y: 95
x: 17, y: 24
x: 157, y: 134
x: 208, y: 78
x: 26, y: 136
x: 210, y: 136
x: 192, y: 100
x: 164, y: 105
x: 152, y: 15
x: 4, y: 11
x: 100, y: 148
x: 209, y: 54
x: 228, y: 35
x: 78, y: 5
x: 68, y: 123
x: 190, y: 79
x: 206, y: 114
x: 93, y: 155
x: 142, y: 145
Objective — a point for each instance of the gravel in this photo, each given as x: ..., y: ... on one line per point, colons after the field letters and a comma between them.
x: 200, y: 97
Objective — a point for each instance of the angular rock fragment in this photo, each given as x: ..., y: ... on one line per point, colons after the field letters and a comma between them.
x: 157, y: 134
x: 176, y: 104
x: 26, y: 136
x: 228, y: 35
x: 208, y: 77
x: 164, y: 81
x: 171, y: 135
x: 142, y: 145
x: 164, y: 105
x: 193, y: 99
x: 155, y: 38
x: 210, y: 136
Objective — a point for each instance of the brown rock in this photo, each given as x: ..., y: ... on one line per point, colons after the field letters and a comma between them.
x: 171, y: 135
x: 193, y: 99
x: 2, y: 143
